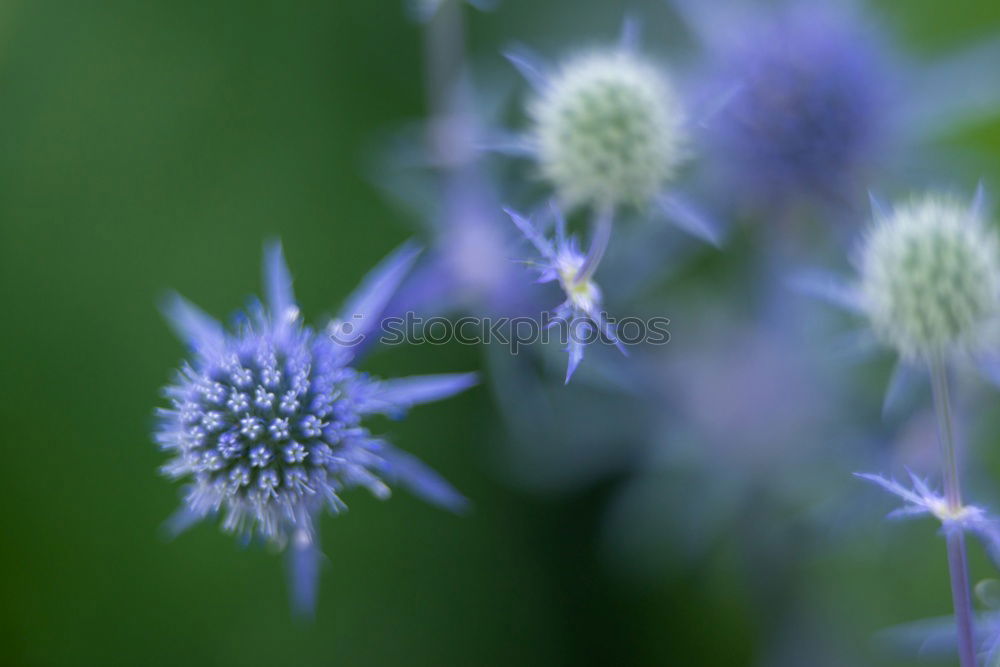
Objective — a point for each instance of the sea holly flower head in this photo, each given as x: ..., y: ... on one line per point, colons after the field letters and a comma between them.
x: 265, y: 421
x: 608, y: 130
x: 928, y: 283
x: 562, y: 261
x: 804, y: 98
x: 930, y: 277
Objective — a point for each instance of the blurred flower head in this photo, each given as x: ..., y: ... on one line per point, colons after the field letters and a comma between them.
x: 930, y: 277
x: 434, y: 172
x: 738, y: 415
x: 468, y: 267
x: 608, y: 130
x: 805, y: 100
x: 265, y: 422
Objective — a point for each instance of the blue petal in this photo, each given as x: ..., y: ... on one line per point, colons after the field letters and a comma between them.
x: 368, y: 301
x: 894, y: 488
x: 429, y: 289
x: 575, y: 357
x: 179, y: 522
x: 193, y: 325
x: 829, y: 288
x: 529, y: 65
x: 631, y: 33
x: 606, y: 329
x: 541, y: 244
x: 716, y: 100
x: 421, y: 480
x: 507, y: 143
x: 403, y: 393
x: 303, y: 572
x: 277, y: 281
x: 879, y: 211
x: 979, y: 201
x: 682, y: 214
x: 575, y: 346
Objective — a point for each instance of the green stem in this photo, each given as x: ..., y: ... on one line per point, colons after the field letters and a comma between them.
x: 444, y: 60
x: 957, y: 562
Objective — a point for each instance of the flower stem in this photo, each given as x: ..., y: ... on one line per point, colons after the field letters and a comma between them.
x: 957, y: 563
x: 449, y: 123
x: 444, y: 57
x: 598, y: 244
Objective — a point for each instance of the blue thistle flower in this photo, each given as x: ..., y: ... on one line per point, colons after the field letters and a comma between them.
x: 609, y: 132
x: 265, y: 423
x: 930, y: 286
x: 467, y: 266
x: 806, y: 103
x: 563, y: 262
x: 929, y: 282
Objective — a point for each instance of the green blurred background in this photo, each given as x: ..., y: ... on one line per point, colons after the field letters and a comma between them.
x: 147, y: 145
